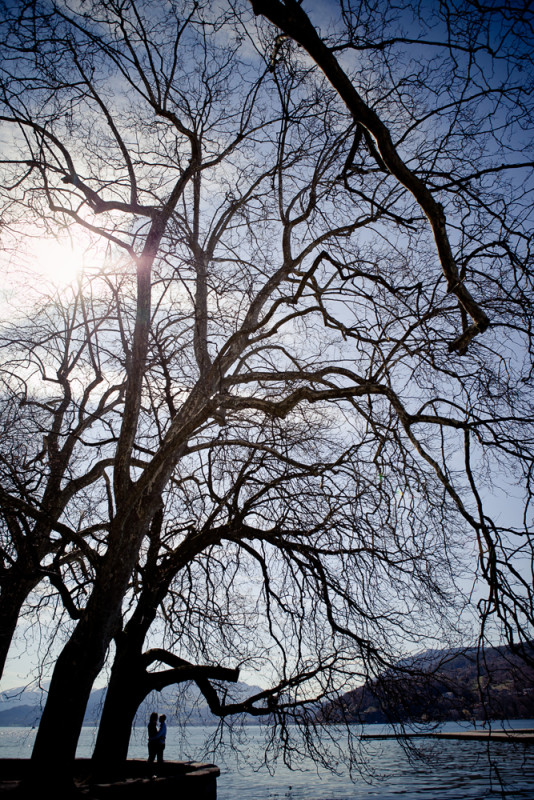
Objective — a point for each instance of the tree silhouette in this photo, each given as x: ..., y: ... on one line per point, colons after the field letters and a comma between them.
x: 275, y: 412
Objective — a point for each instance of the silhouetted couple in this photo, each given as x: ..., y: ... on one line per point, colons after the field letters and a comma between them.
x: 156, y: 738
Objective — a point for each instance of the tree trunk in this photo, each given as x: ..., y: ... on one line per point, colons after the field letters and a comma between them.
x: 83, y: 656
x: 126, y: 691
x: 15, y: 590
x: 75, y: 671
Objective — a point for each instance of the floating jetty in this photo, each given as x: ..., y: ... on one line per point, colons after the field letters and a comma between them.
x: 188, y: 780
x: 521, y: 735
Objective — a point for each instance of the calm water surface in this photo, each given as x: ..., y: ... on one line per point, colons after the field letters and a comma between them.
x: 450, y: 770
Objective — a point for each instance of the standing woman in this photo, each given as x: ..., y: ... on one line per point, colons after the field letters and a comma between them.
x: 153, y: 740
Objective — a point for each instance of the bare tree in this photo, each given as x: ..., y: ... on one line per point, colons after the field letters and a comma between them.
x: 270, y: 594
x: 315, y: 361
x: 449, y: 144
x: 54, y: 394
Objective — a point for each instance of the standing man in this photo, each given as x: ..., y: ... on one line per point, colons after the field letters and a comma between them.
x: 162, y: 735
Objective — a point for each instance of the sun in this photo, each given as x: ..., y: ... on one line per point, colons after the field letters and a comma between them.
x: 57, y: 261
x: 33, y: 267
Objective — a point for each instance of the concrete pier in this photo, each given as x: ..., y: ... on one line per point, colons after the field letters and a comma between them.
x: 523, y: 735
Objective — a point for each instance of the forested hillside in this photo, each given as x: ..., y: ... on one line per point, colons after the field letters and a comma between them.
x: 466, y: 685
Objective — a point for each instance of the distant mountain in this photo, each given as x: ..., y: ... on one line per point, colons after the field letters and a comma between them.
x: 21, y: 716
x: 445, y: 685
x: 14, y: 698
x: 23, y: 707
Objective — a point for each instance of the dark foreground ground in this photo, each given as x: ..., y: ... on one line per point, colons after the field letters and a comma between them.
x: 186, y: 780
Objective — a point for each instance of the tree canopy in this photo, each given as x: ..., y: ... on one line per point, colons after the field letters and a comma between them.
x: 280, y: 421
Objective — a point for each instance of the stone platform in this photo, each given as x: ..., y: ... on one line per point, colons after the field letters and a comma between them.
x: 188, y: 780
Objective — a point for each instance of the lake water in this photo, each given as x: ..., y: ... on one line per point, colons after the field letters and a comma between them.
x: 448, y: 770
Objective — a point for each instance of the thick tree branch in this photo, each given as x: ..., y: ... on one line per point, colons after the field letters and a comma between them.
x: 292, y: 20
